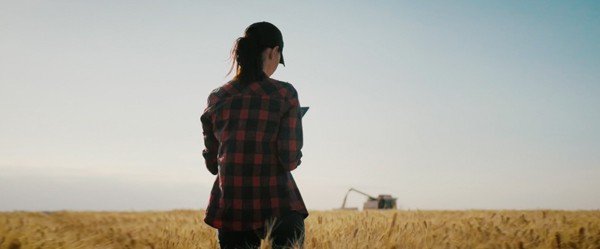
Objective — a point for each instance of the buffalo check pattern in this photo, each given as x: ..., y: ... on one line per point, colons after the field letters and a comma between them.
x: 252, y: 137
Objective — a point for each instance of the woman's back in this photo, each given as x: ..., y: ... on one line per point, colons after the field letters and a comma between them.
x: 258, y: 136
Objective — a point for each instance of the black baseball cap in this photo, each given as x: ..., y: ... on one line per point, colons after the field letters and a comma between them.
x: 268, y: 36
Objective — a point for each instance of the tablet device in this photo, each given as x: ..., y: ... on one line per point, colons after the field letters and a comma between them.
x: 303, y: 110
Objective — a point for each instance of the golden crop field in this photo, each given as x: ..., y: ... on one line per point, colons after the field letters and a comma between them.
x: 324, y: 229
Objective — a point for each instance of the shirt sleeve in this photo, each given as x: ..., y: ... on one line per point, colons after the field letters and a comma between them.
x: 211, y: 144
x: 289, y: 140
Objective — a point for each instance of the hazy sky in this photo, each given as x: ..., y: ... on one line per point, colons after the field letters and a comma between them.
x: 445, y: 105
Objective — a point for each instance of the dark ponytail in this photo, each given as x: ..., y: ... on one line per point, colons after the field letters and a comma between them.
x: 247, y: 51
x: 248, y: 56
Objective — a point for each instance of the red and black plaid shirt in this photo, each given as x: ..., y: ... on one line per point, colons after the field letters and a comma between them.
x: 253, y: 136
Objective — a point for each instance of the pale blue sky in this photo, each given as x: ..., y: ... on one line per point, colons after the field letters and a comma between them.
x: 462, y: 105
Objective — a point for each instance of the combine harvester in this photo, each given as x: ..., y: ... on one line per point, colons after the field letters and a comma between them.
x: 379, y: 202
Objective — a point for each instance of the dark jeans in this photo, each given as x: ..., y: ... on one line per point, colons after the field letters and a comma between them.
x: 288, y: 231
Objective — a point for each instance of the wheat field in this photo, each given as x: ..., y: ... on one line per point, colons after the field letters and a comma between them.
x: 324, y: 229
